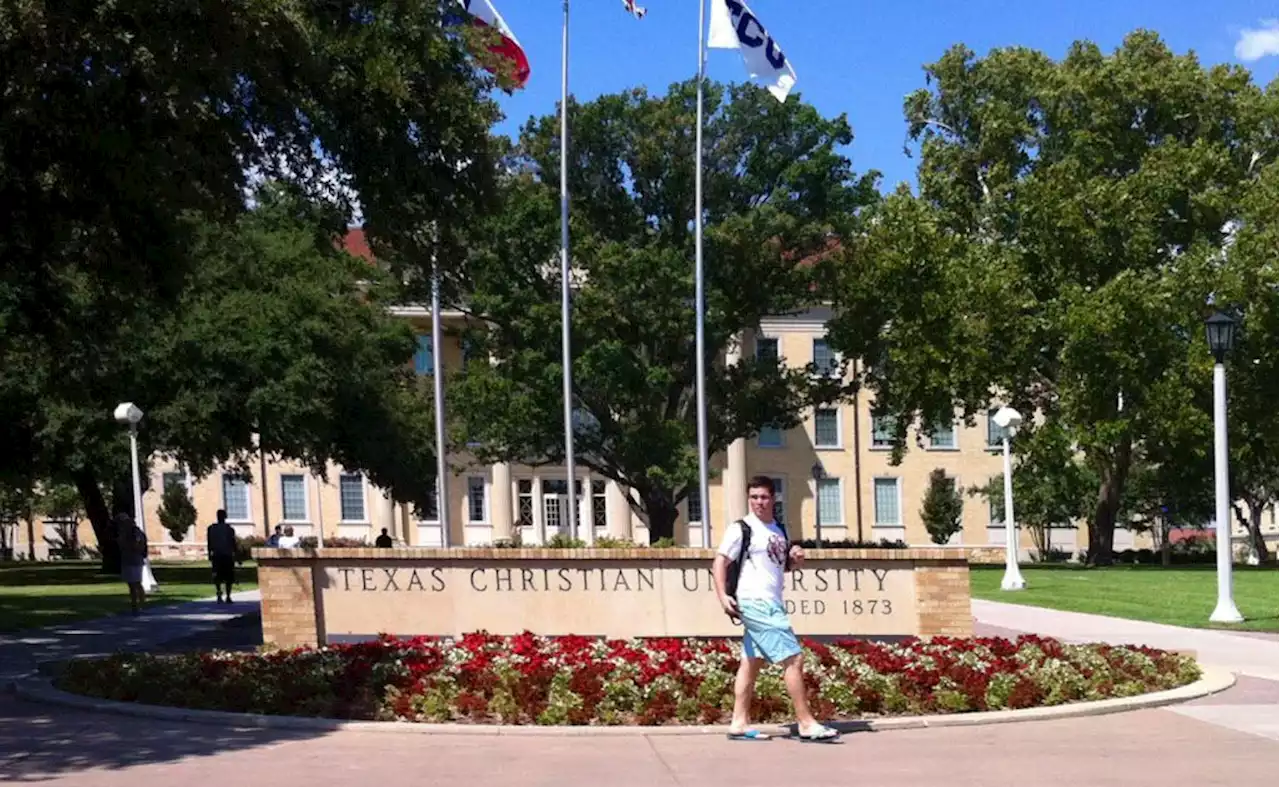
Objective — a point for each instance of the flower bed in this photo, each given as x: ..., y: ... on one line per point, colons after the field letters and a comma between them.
x: 573, y: 680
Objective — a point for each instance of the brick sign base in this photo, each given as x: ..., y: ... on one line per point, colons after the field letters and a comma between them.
x: 311, y: 597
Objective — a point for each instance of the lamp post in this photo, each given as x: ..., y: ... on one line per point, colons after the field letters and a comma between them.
x: 819, y: 473
x: 129, y: 414
x: 1220, y: 330
x: 1009, y: 419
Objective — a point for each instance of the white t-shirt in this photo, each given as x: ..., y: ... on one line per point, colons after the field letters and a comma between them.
x: 762, y: 571
x: 288, y: 542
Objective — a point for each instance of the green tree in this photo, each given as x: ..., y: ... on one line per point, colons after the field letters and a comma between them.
x: 775, y: 187
x: 126, y: 128
x: 177, y: 512
x: 1051, y: 484
x: 1247, y: 283
x: 943, y: 507
x: 1059, y: 202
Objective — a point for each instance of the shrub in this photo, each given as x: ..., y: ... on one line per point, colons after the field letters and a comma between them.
x: 574, y: 680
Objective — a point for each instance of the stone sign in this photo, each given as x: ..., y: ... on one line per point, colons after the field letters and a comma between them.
x: 359, y: 593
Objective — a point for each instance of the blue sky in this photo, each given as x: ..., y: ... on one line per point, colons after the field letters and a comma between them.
x: 859, y: 58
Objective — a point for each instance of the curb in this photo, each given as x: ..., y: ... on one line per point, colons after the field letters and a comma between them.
x: 41, y: 690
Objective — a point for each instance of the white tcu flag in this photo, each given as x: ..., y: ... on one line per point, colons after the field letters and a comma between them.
x: 733, y: 26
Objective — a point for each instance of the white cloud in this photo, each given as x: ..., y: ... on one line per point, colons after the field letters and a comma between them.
x: 1257, y: 43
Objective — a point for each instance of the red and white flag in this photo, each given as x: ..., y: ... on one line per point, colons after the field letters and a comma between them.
x: 635, y: 10
x: 485, y: 15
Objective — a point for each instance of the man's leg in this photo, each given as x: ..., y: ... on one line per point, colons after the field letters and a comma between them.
x: 744, y: 688
x: 215, y: 568
x: 793, y: 675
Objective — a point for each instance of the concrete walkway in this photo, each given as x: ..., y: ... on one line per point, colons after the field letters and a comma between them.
x: 21, y: 653
x: 1243, y: 653
x: 63, y: 747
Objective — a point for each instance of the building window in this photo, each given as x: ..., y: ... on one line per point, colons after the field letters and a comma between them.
x: 770, y: 437
x: 943, y: 437
x: 882, y: 429
x: 766, y: 348
x: 599, y: 514
x: 779, y: 501
x: 826, y: 427
x: 477, y: 505
x: 830, y: 501
x: 235, y: 499
x: 431, y: 513
x: 824, y: 358
x: 524, y: 503
x: 424, y: 358
x: 888, y: 512
x: 351, y: 497
x: 168, y: 479
x: 293, y: 498
x: 693, y: 504
x: 995, y: 508
x: 995, y: 435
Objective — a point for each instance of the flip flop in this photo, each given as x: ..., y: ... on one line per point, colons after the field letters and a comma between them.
x: 749, y: 735
x: 823, y: 734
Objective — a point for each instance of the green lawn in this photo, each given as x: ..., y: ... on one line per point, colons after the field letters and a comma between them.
x: 1178, y: 595
x: 43, y: 594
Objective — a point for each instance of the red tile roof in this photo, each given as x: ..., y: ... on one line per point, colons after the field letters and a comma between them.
x: 356, y: 244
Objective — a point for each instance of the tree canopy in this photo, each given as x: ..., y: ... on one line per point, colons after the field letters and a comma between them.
x: 775, y: 189
x: 1050, y: 259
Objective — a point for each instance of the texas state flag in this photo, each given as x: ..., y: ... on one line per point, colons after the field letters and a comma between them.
x: 483, y: 13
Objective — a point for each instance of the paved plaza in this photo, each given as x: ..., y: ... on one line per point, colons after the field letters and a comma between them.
x: 1227, y: 739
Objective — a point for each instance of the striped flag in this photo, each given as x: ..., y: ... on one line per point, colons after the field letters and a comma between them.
x: 483, y: 14
x: 635, y: 10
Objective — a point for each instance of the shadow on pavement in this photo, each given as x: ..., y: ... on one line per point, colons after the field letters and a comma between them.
x: 39, y: 743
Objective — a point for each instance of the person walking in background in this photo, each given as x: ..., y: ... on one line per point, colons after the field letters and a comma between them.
x: 220, y: 540
x: 751, y: 590
x: 133, y: 559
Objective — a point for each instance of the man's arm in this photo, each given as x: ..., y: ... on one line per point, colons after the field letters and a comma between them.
x: 719, y: 572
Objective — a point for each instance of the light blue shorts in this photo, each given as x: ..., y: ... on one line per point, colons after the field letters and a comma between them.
x: 767, y: 631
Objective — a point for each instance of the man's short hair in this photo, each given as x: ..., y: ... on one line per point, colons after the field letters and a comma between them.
x: 760, y: 482
x: 222, y: 513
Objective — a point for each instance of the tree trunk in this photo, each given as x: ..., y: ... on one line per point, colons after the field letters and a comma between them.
x: 1102, y: 527
x: 1165, y: 552
x: 662, y: 514
x: 1255, y: 534
x: 104, y: 530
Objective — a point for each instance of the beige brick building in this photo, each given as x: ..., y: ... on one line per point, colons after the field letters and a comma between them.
x: 862, y: 496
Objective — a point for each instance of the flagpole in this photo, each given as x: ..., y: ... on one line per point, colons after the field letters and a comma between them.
x: 437, y: 375
x: 703, y: 485
x: 567, y: 361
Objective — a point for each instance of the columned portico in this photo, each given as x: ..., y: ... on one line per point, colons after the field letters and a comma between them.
x: 503, y: 511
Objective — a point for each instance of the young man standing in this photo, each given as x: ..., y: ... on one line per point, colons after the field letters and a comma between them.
x: 220, y: 539
x: 767, y: 633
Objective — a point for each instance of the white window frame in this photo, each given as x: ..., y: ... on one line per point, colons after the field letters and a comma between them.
x: 435, y: 521
x: 875, y: 515
x: 880, y: 446
x: 426, y: 344
x: 248, y: 498
x: 998, y: 445
x: 782, y: 438
x: 484, y: 499
x: 839, y: 444
x: 817, y: 500
x: 834, y: 369
x: 955, y: 441
x: 306, y: 499
x: 186, y: 479
x: 364, y: 500
x: 777, y: 345
x: 599, y: 501
x: 694, y: 489
x: 535, y: 499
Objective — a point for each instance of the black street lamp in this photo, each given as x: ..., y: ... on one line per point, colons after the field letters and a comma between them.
x: 1221, y: 332
x: 818, y: 472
